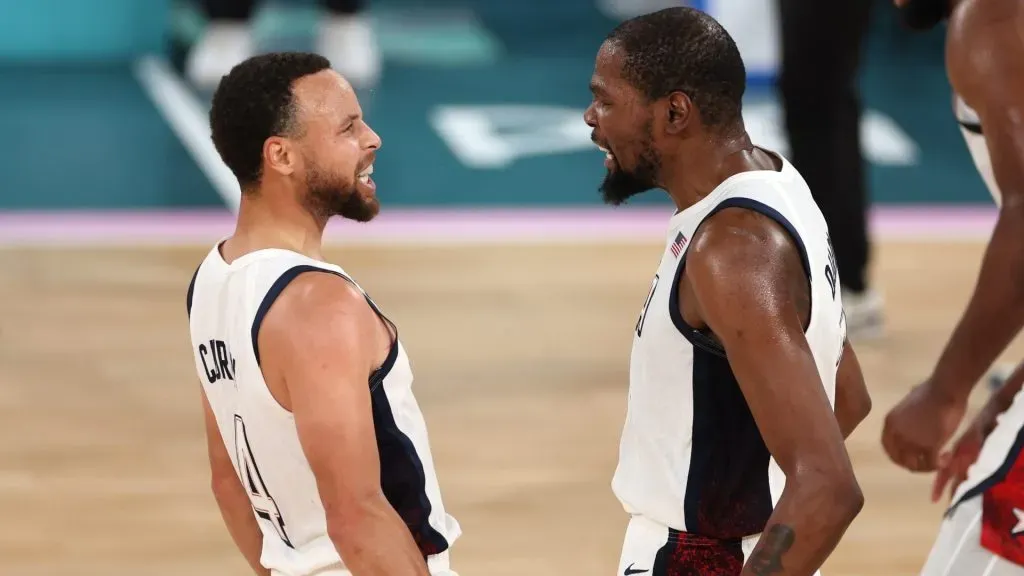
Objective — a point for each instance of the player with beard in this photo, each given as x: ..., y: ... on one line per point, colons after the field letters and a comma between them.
x: 983, y: 527
x: 318, y: 451
x: 742, y: 383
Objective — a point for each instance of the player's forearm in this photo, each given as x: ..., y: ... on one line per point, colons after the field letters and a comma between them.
x: 236, y: 510
x: 373, y: 541
x: 849, y: 415
x: 994, y: 315
x: 853, y: 401
x: 811, y: 517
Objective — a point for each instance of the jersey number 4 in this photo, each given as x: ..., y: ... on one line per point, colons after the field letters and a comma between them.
x: 262, y: 503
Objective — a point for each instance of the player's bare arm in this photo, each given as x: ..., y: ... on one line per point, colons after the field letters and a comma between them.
x: 985, y: 55
x: 853, y: 402
x: 955, y: 463
x: 985, y: 59
x: 233, y: 501
x: 748, y: 287
x: 322, y: 341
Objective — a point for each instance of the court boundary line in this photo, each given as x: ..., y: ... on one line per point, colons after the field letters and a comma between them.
x: 451, y: 227
x: 185, y: 115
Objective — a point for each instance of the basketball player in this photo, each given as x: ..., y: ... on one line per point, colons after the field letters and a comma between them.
x: 985, y: 64
x: 319, y: 453
x: 732, y: 460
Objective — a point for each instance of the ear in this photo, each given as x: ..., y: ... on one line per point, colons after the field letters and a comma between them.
x: 279, y: 155
x: 679, y: 111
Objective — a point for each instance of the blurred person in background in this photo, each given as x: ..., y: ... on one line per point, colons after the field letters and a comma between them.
x: 821, y: 54
x: 981, y: 533
x: 345, y: 37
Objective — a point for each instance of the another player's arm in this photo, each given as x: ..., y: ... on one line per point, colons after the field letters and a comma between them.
x: 234, y: 504
x: 744, y: 272
x: 987, y: 69
x: 1001, y: 400
x: 323, y: 340
x: 853, y: 402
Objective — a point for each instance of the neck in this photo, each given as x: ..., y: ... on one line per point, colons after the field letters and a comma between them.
x: 696, y: 170
x: 272, y: 219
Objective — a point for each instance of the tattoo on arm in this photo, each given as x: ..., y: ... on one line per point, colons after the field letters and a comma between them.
x: 775, y: 542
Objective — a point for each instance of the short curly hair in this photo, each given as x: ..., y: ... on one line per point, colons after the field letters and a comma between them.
x: 253, y: 102
x: 684, y: 49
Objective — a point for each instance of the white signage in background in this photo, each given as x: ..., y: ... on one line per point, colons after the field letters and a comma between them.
x: 625, y: 9
x: 753, y: 24
x: 495, y: 136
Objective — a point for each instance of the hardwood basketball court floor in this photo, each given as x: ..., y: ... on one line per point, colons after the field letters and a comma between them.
x: 520, y: 354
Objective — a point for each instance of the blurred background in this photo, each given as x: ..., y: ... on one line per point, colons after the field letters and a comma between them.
x: 72, y: 68
x: 516, y: 290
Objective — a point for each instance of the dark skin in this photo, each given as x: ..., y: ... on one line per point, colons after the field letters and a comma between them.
x: 954, y: 463
x: 985, y: 64
x: 745, y: 282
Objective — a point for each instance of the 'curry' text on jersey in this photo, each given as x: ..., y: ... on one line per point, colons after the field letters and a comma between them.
x: 226, y: 304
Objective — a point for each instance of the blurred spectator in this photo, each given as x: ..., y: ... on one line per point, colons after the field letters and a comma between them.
x: 821, y: 53
x: 344, y: 36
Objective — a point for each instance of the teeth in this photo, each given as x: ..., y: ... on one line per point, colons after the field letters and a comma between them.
x: 367, y: 172
x: 603, y: 149
x: 609, y: 156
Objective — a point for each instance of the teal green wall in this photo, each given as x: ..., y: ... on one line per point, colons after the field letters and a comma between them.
x: 80, y: 30
x: 88, y: 137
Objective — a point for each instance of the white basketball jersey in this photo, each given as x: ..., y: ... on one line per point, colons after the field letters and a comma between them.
x: 970, y: 127
x: 691, y: 457
x: 227, y: 303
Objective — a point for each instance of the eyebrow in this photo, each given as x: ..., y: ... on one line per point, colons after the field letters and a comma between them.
x: 350, y: 119
x: 597, y: 88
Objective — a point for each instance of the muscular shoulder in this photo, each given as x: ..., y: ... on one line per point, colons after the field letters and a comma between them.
x: 314, y: 300
x: 736, y: 240
x: 985, y: 42
x: 742, y: 259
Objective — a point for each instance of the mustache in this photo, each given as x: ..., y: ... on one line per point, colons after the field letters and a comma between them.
x: 363, y: 166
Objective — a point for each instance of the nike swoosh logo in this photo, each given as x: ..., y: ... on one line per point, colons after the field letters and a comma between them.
x: 631, y: 570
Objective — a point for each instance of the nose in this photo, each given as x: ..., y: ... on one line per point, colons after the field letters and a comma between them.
x: 589, y: 116
x: 373, y: 141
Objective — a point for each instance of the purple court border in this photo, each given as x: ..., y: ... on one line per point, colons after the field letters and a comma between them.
x: 460, y: 226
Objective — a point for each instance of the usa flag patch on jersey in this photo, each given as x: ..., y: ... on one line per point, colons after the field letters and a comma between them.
x: 678, y: 244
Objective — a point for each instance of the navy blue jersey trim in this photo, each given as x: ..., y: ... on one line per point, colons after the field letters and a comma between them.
x: 282, y: 282
x: 728, y: 495
x: 703, y: 339
x: 403, y: 479
x: 972, y: 127
x: 191, y: 291
x: 996, y: 477
x: 700, y: 339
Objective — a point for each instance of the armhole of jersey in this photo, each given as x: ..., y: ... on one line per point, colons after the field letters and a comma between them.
x: 191, y: 291
x: 284, y: 280
x: 972, y: 127
x: 701, y: 339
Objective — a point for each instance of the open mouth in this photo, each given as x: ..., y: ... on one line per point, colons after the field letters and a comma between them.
x: 609, y: 158
x: 364, y: 176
